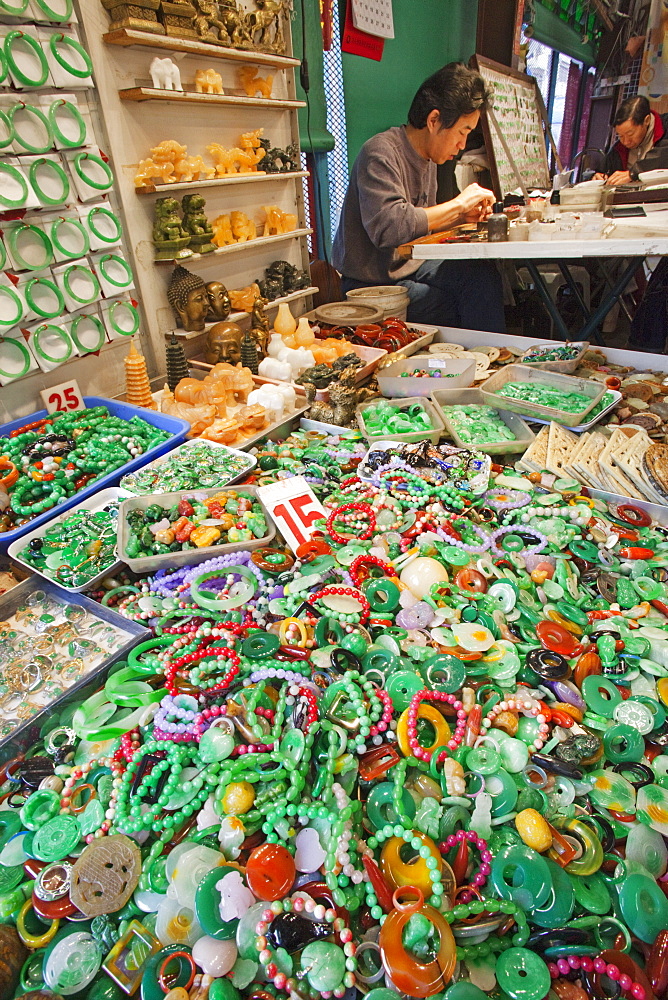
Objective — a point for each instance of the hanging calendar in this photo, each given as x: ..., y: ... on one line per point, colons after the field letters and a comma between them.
x: 520, y: 116
x: 374, y: 17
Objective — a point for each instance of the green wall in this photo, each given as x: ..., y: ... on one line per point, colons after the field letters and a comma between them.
x: 428, y: 34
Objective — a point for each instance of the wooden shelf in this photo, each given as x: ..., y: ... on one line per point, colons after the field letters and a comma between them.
x: 140, y: 94
x: 221, y: 182
x: 236, y: 317
x: 259, y: 241
x: 129, y: 36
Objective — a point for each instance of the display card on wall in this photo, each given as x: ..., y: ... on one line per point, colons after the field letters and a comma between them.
x: 374, y: 17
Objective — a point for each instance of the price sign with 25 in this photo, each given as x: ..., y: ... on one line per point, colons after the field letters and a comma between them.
x: 294, y: 507
x: 66, y: 396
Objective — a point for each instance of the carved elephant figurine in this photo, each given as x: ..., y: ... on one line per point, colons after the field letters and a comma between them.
x: 165, y: 74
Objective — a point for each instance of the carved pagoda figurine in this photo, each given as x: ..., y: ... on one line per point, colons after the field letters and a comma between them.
x: 249, y: 358
x: 196, y: 223
x: 137, y: 385
x: 177, y: 364
x: 188, y: 298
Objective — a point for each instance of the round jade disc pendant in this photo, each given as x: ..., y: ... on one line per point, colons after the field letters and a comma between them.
x: 326, y: 964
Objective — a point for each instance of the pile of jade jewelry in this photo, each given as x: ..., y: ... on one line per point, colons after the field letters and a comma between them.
x: 423, y: 755
x: 51, y: 459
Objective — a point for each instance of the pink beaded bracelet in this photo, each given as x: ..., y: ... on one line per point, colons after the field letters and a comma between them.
x: 574, y: 962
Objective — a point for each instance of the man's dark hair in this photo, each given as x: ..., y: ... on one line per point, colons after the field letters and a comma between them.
x: 633, y: 109
x: 453, y: 91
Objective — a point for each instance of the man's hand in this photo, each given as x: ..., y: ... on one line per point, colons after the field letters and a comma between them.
x: 475, y: 199
x: 600, y: 177
x: 619, y: 177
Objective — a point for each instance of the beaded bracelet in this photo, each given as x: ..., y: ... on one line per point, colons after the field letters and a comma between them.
x: 337, y: 514
x: 598, y: 965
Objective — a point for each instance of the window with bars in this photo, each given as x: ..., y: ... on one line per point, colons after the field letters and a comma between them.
x: 337, y: 160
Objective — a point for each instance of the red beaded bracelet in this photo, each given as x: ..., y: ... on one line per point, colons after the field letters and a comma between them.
x: 344, y: 592
x: 362, y: 508
x: 357, y: 565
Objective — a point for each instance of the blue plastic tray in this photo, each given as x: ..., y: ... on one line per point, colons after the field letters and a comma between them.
x: 177, y: 428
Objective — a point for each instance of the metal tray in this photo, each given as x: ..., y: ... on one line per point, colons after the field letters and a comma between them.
x: 523, y: 433
x: 28, y: 732
x: 250, y: 460
x: 401, y: 404
x: 524, y: 373
x: 177, y: 428
x: 187, y: 557
x: 97, y: 502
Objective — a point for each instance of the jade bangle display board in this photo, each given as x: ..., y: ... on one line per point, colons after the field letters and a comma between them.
x: 61, y: 709
x: 518, y: 108
x: 177, y: 428
x: 187, y: 557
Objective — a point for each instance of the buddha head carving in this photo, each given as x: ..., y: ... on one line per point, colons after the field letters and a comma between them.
x: 223, y: 343
x: 219, y: 300
x: 188, y: 298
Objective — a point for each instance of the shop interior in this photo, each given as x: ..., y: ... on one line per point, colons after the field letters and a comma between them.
x: 333, y: 506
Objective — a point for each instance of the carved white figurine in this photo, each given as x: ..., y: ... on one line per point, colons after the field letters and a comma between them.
x: 165, y: 74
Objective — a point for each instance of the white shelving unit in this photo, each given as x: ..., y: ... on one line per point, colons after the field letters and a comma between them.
x: 137, y: 117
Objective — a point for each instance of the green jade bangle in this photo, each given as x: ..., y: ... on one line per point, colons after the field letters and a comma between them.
x: 19, y: 36
x: 57, y: 172
x: 27, y: 358
x: 74, y: 113
x: 108, y: 215
x: 6, y: 122
x: 112, y: 317
x: 74, y: 334
x: 3, y: 255
x: 114, y: 258
x: 3, y: 63
x: 67, y: 281
x: 79, y: 158
x: 13, y: 235
x: 10, y: 294
x: 29, y: 109
x: 75, y: 224
x: 60, y: 334
x: 16, y: 175
x: 97, y: 719
x: 71, y: 43
x: 56, y: 15
x: 127, y: 690
x: 211, y: 602
x: 145, y: 647
x: 53, y: 288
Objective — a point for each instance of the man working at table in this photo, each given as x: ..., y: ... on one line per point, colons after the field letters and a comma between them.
x: 642, y: 142
x: 391, y: 199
